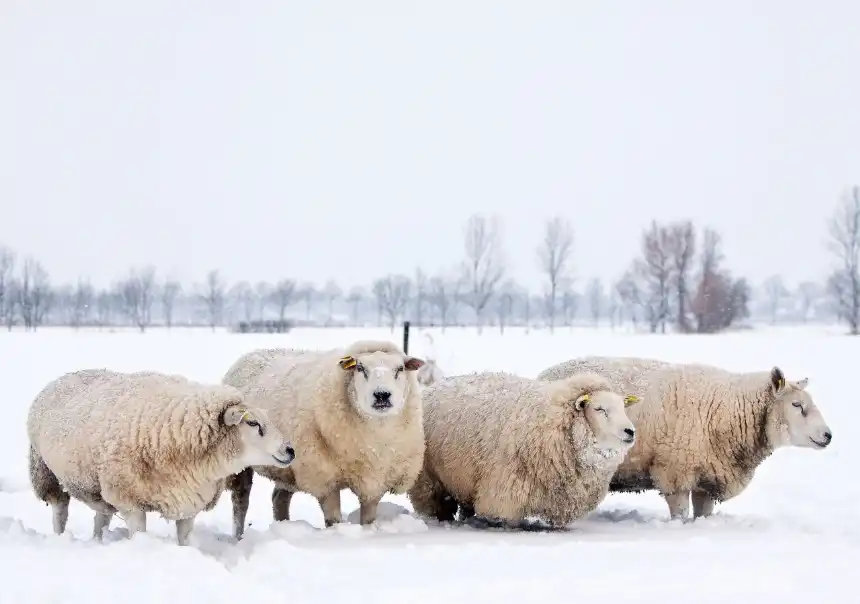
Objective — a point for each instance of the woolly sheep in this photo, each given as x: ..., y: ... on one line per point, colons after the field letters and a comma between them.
x: 132, y: 443
x: 702, y: 431
x: 506, y: 448
x: 354, y: 414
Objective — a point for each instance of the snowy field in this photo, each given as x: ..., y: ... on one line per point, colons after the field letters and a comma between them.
x: 792, y: 536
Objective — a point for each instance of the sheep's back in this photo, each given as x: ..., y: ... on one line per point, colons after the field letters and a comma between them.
x: 467, y: 419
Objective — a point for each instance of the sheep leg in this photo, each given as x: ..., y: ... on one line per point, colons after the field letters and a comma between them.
x: 703, y: 504
x: 466, y: 511
x: 60, y: 512
x: 47, y: 488
x: 100, y: 523
x: 135, y: 520
x: 240, y: 495
x: 281, y: 504
x: 330, y: 504
x: 367, y: 510
x: 679, y: 505
x: 183, y: 530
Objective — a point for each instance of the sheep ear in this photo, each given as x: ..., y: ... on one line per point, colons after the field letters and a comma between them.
x: 347, y: 362
x: 631, y: 399
x: 234, y: 415
x: 413, y: 363
x: 801, y: 383
x: 777, y: 380
x: 581, y: 401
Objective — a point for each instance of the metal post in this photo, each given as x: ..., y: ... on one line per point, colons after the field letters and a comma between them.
x: 406, y: 337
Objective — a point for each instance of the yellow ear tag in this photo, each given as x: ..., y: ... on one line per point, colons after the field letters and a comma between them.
x: 245, y: 416
x: 584, y: 398
x: 781, y: 383
x: 347, y: 362
x: 630, y: 399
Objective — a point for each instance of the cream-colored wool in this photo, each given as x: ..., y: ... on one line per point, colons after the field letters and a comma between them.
x: 326, y: 406
x: 702, y: 431
x: 507, y: 448
x: 142, y: 442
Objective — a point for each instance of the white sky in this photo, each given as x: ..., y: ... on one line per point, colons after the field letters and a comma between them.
x: 319, y: 140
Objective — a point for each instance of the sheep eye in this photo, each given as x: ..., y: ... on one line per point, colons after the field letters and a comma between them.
x: 397, y: 371
x: 253, y: 422
x: 796, y: 404
x: 360, y: 367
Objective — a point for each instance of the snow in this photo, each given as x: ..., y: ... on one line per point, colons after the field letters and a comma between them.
x: 792, y: 536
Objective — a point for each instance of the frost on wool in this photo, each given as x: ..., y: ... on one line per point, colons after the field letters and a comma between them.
x: 353, y: 414
x: 702, y: 431
x: 132, y: 443
x: 506, y: 448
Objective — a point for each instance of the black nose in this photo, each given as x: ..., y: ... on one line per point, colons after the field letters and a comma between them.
x: 383, y: 396
x: 828, y: 436
x: 629, y: 432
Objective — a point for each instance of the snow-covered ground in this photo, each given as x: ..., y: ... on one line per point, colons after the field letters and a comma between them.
x: 792, y: 536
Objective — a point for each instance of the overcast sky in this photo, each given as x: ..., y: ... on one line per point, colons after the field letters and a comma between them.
x: 321, y: 140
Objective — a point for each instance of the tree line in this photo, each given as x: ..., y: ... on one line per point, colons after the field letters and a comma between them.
x: 676, y: 283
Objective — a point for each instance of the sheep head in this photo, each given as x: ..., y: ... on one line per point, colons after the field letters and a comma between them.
x: 261, y: 443
x: 800, y: 423
x: 379, y: 384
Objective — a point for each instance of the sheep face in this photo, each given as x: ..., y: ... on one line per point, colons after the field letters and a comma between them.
x: 262, y: 444
x: 379, y: 384
x: 605, y: 414
x: 801, y: 423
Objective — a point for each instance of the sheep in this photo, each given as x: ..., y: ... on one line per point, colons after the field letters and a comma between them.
x: 355, y: 414
x: 132, y: 443
x: 703, y: 431
x: 506, y: 448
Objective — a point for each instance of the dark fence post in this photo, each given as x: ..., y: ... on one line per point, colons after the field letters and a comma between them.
x: 406, y: 337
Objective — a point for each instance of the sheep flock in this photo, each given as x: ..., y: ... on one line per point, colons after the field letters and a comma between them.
x: 486, y: 448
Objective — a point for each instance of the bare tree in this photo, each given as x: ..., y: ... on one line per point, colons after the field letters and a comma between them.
x: 421, y: 295
x: 170, y: 291
x: 213, y: 297
x: 629, y: 295
x: 81, y: 303
x: 808, y: 293
x: 106, y: 302
x: 244, y: 299
x: 443, y: 296
x: 136, y: 294
x: 354, y: 299
x: 308, y: 293
x: 775, y: 292
x: 263, y: 292
x: 34, y: 293
x: 653, y: 274
x: 283, y: 295
x: 7, y: 280
x: 595, y: 300
x: 392, y: 292
x: 483, y: 267
x: 505, y: 303
x: 681, y: 246
x: 844, y: 282
x: 719, y: 300
x: 554, y: 256
x: 332, y: 292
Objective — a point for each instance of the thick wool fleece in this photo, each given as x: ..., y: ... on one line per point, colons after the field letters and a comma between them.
x: 124, y: 442
x: 506, y: 448
x: 307, y: 395
x: 700, y: 430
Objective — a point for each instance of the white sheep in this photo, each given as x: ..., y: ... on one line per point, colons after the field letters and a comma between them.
x: 702, y: 431
x: 132, y: 443
x: 507, y: 448
x: 354, y: 414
